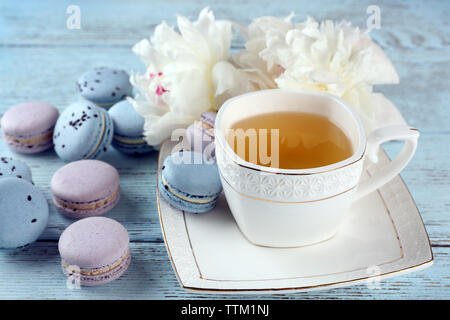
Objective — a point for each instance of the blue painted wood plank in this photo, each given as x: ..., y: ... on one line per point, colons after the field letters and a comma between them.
x: 403, y: 24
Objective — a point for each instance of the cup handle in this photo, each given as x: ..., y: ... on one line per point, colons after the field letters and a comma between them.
x: 395, y: 132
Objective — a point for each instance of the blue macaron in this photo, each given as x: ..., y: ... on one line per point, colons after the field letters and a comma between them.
x: 190, y: 182
x: 23, y: 213
x: 10, y: 167
x: 128, y: 128
x: 104, y: 86
x: 83, y: 131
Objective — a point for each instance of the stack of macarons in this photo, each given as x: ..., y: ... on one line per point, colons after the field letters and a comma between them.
x: 190, y: 179
x: 95, y: 250
x: 128, y: 128
x: 190, y: 182
x: 85, y: 129
x: 82, y: 189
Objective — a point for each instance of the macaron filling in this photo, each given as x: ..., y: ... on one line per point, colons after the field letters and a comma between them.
x: 129, y: 140
x: 209, y: 128
x: 179, y: 194
x: 43, y: 138
x: 86, y: 206
x: 100, y: 270
x: 47, y: 135
x: 105, y: 104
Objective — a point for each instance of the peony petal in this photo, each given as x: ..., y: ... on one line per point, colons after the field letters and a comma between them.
x: 256, y: 70
x: 146, y: 108
x: 157, y: 129
x: 216, y: 33
x: 387, y: 113
x: 190, y: 91
x: 322, y: 76
x: 381, y: 69
x: 151, y: 58
x: 224, y: 77
x: 142, y: 48
x: 194, y: 40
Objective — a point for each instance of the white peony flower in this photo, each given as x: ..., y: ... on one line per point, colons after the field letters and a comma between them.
x: 329, y: 57
x: 187, y: 73
x: 259, y: 33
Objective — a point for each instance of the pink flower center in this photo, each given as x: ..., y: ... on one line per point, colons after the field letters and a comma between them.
x: 154, y: 75
x: 159, y: 88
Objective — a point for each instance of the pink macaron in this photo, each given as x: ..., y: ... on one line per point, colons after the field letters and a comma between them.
x: 85, y: 188
x: 94, y: 251
x: 28, y: 127
x: 200, y: 134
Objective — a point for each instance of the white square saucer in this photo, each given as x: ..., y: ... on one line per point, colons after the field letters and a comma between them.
x: 382, y: 236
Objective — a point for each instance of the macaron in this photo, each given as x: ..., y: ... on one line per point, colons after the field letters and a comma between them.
x: 128, y: 128
x: 10, y: 167
x: 28, y: 127
x: 23, y: 213
x: 83, y: 131
x: 95, y: 250
x: 85, y: 188
x: 200, y: 134
x: 190, y: 182
x: 104, y: 86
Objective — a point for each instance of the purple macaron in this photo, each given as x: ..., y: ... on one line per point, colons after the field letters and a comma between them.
x: 94, y: 251
x: 200, y: 134
x: 85, y: 188
x: 28, y: 127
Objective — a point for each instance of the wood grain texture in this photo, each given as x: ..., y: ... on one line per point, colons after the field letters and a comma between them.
x: 40, y: 59
x: 36, y: 273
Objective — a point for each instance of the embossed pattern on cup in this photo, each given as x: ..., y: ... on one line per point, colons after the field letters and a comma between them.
x: 285, y: 187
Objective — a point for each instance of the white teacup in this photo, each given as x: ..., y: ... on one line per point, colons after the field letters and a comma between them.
x: 287, y: 208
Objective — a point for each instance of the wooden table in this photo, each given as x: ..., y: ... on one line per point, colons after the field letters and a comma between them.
x: 40, y: 59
